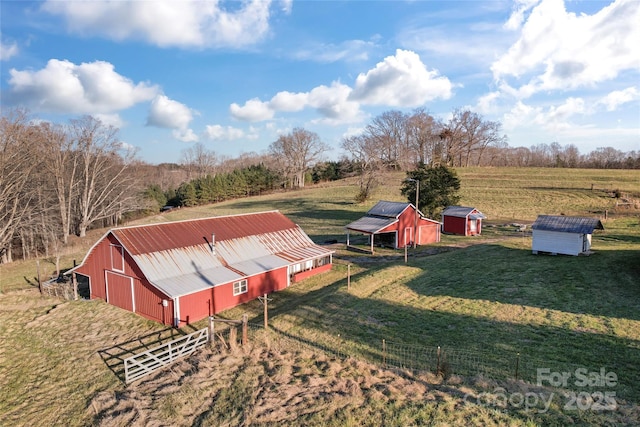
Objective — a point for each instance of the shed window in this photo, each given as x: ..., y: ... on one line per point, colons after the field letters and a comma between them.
x: 239, y: 287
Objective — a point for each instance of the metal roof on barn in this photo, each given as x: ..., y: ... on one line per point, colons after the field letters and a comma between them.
x: 567, y: 224
x: 463, y: 212
x: 181, y: 257
x: 388, y: 209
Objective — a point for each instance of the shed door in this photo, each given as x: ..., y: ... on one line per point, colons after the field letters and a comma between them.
x: 120, y: 291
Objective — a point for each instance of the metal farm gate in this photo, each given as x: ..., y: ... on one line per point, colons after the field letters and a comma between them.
x: 147, y: 362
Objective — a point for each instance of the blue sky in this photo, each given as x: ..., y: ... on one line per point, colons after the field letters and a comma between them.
x: 235, y: 75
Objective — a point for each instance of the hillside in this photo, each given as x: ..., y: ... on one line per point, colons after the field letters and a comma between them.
x: 482, y: 300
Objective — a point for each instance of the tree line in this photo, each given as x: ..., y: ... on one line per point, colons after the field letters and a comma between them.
x: 59, y: 180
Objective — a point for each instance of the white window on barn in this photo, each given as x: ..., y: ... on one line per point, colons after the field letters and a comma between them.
x: 239, y: 287
x: 117, y: 258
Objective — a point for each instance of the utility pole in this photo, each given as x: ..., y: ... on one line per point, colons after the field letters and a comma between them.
x: 415, y: 224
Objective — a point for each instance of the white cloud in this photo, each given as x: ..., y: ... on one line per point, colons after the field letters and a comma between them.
x: 552, y: 119
x: 558, y: 50
x: 170, y: 114
x: 350, y: 50
x: 517, y: 16
x: 88, y: 88
x: 253, y: 110
x: 619, y: 97
x: 110, y: 120
x: 400, y: 81
x: 487, y: 102
x: 185, y: 23
x: 222, y: 133
x: 288, y: 101
x: 334, y: 103
x: 184, y: 135
x: 8, y: 50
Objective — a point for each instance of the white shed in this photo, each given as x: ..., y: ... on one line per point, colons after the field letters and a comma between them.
x: 567, y: 235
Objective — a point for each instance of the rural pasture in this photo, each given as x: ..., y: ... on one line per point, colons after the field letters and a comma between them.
x: 484, y: 298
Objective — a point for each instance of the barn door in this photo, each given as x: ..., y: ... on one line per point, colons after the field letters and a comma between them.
x: 408, y: 236
x: 120, y: 291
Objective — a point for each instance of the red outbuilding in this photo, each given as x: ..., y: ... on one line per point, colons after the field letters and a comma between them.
x: 395, y: 224
x: 462, y: 220
x: 181, y: 272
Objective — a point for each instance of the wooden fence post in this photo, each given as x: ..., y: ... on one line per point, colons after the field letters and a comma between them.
x: 384, y: 353
x: 438, y: 361
x: 266, y: 313
x: 211, y: 329
x: 245, y: 320
x: 74, y: 280
x: 517, y: 364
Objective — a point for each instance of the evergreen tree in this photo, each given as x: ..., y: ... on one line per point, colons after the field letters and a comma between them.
x: 439, y: 188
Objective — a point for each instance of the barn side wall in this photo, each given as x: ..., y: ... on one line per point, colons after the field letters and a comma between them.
x: 308, y: 273
x: 429, y: 232
x: 199, y: 305
x: 142, y: 299
x: 556, y: 242
x: 454, y: 224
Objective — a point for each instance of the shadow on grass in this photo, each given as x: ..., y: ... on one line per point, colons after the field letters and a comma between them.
x: 357, y: 325
x: 603, y: 284
x: 115, y: 356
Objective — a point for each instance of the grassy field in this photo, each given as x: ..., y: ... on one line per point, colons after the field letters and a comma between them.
x: 485, y: 297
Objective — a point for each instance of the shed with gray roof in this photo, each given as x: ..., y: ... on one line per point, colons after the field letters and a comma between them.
x: 394, y: 224
x: 560, y: 234
x: 462, y: 220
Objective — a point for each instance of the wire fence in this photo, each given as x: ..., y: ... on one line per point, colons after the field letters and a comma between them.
x: 439, y: 360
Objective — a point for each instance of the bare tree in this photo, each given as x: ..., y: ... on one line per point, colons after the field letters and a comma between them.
x: 62, y: 167
x: 423, y: 137
x: 199, y: 161
x: 18, y: 159
x: 365, y: 153
x: 388, y: 131
x: 296, y: 152
x: 105, y: 188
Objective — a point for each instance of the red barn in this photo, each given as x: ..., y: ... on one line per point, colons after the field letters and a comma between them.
x: 395, y: 224
x: 180, y: 272
x: 462, y: 220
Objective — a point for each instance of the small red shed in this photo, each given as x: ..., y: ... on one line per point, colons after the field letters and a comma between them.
x: 395, y: 224
x: 181, y: 272
x: 462, y: 220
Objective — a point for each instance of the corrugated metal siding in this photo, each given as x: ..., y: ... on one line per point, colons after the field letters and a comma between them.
x: 196, y: 306
x: 193, y: 282
x: 149, y: 303
x: 556, y: 242
x: 178, y: 261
